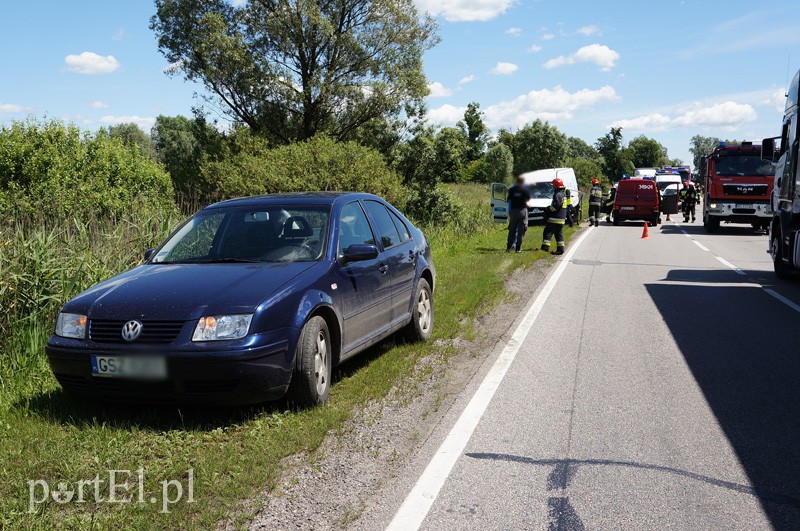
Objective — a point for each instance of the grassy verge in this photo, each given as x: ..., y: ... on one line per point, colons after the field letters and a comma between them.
x: 233, y: 453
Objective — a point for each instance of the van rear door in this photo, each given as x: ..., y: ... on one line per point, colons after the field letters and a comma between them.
x: 499, y: 197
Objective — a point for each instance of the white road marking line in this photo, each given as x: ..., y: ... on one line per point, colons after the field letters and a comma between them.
x: 420, y: 500
x: 783, y: 299
x: 774, y: 294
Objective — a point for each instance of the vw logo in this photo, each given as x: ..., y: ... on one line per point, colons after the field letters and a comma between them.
x: 131, y: 330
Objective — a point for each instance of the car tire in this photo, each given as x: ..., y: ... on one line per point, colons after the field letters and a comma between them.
x: 712, y: 225
x: 421, y: 325
x: 311, y: 381
x: 616, y: 220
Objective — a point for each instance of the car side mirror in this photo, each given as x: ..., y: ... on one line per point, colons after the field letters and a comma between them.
x: 148, y: 253
x: 359, y: 252
x: 768, y: 149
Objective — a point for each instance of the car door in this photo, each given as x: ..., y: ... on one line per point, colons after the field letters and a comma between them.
x: 363, y: 288
x: 400, y: 251
x: 499, y: 202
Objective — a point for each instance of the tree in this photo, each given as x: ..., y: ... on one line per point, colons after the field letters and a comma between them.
x: 130, y: 135
x: 615, y: 161
x: 499, y: 163
x: 476, y: 131
x: 451, y: 149
x: 537, y: 146
x: 579, y: 149
x: 701, y: 146
x: 585, y: 171
x: 646, y: 152
x: 290, y: 69
x: 181, y: 144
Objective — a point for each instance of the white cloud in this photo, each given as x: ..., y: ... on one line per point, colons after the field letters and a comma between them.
x: 464, y: 10
x: 144, y: 122
x: 504, y: 69
x: 97, y: 104
x: 728, y: 115
x: 437, y: 90
x: 776, y: 100
x: 446, y: 114
x: 588, y: 31
x: 91, y: 63
x: 649, y: 122
x: 548, y: 37
x: 535, y: 48
x: 514, y: 32
x: 598, y: 54
x: 13, y: 108
x: 545, y: 104
x: 468, y: 79
x: 173, y: 68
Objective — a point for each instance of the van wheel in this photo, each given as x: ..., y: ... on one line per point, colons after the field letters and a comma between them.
x: 311, y: 381
x: 616, y: 219
x: 712, y: 225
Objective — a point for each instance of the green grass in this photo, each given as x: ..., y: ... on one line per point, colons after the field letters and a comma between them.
x: 234, y: 454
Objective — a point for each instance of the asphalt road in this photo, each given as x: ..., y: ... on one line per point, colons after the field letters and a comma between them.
x: 659, y: 387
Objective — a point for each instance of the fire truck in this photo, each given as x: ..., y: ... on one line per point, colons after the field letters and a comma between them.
x: 784, y: 239
x: 738, y: 186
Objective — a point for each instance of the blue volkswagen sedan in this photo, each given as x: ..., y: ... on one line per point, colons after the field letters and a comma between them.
x: 249, y: 300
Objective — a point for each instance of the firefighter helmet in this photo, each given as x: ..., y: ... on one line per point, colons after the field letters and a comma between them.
x: 686, y: 183
x: 558, y: 183
x: 595, y: 181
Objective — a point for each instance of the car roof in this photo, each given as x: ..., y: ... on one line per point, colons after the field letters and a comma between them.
x: 298, y: 198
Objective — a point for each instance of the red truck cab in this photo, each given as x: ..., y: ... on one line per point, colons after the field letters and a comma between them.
x: 637, y: 199
x: 738, y: 186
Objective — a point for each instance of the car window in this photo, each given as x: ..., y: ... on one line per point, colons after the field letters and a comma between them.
x: 384, y: 224
x: 272, y: 233
x: 401, y: 227
x: 354, y: 227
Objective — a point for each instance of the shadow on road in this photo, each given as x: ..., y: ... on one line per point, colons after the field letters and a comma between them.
x: 741, y: 346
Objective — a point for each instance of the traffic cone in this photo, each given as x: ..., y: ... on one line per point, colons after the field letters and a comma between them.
x: 645, y: 233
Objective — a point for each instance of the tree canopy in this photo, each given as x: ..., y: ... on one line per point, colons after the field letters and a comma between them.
x: 537, y: 146
x: 290, y: 69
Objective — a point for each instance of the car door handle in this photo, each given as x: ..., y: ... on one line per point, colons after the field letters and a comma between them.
x: 383, y: 268
x: 413, y: 256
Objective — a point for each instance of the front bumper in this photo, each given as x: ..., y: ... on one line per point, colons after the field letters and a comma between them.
x: 203, y: 377
x: 741, y: 212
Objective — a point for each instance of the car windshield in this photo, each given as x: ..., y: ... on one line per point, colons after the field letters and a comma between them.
x: 541, y: 190
x: 744, y: 165
x: 270, y: 233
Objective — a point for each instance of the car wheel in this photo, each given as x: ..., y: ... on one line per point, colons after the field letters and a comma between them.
x: 778, y: 265
x: 616, y: 219
x: 421, y: 325
x: 311, y: 380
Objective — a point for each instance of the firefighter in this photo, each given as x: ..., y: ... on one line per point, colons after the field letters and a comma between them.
x: 557, y: 215
x: 595, y: 202
x: 688, y: 201
x: 518, y: 198
x: 609, y: 205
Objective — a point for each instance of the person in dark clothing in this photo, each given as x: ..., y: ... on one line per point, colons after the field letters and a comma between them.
x: 557, y: 216
x: 518, y: 198
x: 688, y: 201
x: 595, y: 203
x: 609, y: 206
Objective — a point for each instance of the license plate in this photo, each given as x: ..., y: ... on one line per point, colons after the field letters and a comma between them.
x: 626, y: 208
x: 742, y: 206
x: 138, y: 367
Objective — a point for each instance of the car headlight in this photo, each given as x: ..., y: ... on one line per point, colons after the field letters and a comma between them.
x: 221, y: 327
x: 71, y: 325
x: 712, y: 205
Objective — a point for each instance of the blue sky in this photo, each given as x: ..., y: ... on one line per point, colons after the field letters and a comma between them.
x: 669, y: 70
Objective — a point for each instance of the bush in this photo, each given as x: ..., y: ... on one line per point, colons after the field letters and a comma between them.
x: 321, y: 163
x: 53, y: 165
x: 585, y: 171
x: 433, y: 205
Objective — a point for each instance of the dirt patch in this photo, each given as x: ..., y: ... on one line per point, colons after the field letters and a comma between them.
x: 331, y: 488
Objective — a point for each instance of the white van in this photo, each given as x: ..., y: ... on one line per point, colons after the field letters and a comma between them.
x: 540, y: 186
x: 644, y: 172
